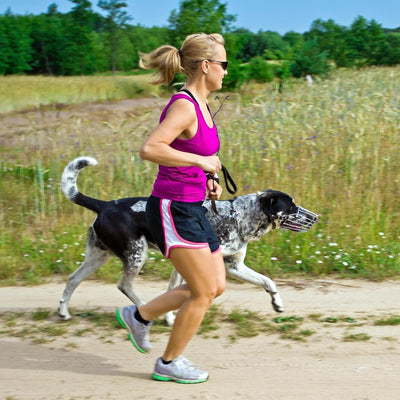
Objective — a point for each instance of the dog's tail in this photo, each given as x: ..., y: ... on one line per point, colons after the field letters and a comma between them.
x: 70, y: 189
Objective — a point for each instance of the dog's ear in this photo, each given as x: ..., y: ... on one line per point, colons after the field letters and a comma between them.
x: 268, y: 200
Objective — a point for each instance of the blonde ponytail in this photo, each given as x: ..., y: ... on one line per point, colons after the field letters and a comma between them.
x: 169, y: 61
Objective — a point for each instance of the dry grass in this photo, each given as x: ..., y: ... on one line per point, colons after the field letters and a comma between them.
x: 26, y: 92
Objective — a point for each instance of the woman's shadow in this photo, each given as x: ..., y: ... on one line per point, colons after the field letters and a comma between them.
x: 23, y: 356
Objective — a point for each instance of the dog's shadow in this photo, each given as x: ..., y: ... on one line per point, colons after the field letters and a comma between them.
x: 23, y: 356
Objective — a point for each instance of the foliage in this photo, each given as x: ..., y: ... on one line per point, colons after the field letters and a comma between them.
x: 207, y: 16
x: 77, y: 51
x: 144, y: 40
x: 83, y: 42
x: 332, y: 38
x: 15, y: 49
x: 260, y: 70
x: 115, y: 22
x: 309, y: 60
x: 393, y: 54
x: 367, y: 42
x: 253, y: 45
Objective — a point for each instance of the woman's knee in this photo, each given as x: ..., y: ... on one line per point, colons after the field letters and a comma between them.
x: 220, y: 289
x: 209, y: 293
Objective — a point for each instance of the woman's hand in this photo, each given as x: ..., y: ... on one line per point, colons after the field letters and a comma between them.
x: 214, y: 189
x: 211, y: 164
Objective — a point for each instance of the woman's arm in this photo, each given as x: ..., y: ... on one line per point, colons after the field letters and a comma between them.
x: 180, y: 121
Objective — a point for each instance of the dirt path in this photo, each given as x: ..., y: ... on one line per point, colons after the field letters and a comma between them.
x: 323, y: 366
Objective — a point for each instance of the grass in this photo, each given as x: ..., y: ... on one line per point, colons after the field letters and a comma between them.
x: 245, y: 321
x: 392, y: 320
x: 334, y: 147
x: 357, y: 337
x: 26, y: 92
x: 43, y: 326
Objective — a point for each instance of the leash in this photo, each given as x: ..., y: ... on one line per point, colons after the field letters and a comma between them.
x: 229, y: 183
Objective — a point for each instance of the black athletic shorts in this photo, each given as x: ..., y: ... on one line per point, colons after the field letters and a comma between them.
x: 179, y: 224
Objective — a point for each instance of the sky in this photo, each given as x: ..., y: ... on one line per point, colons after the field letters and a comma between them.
x: 255, y: 15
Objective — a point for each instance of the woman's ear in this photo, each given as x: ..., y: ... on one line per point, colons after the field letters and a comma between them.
x: 204, y: 66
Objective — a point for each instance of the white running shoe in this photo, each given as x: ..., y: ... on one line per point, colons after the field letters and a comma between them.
x: 138, y: 332
x: 180, y: 370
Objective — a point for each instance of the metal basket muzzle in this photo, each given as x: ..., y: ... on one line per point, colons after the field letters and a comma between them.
x: 302, y: 221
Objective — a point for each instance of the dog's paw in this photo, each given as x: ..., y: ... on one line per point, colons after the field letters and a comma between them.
x: 277, y: 303
x: 169, y: 318
x: 63, y: 312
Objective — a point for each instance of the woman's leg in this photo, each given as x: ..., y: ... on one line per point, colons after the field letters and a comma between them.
x: 204, y: 274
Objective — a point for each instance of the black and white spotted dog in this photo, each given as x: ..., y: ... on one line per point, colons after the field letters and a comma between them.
x: 120, y: 230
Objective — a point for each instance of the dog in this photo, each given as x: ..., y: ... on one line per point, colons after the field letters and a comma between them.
x: 121, y: 230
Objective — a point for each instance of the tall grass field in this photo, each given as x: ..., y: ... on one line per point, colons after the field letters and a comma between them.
x: 334, y: 146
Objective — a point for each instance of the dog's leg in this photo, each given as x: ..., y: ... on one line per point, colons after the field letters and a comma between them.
x: 174, y: 281
x: 235, y: 267
x: 95, y: 257
x: 137, y: 255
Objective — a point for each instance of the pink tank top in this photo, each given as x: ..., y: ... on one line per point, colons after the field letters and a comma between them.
x: 187, y: 184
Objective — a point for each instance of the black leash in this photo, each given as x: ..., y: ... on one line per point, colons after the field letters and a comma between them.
x: 229, y: 182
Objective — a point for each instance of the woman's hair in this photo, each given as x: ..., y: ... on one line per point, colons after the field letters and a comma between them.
x: 168, y: 60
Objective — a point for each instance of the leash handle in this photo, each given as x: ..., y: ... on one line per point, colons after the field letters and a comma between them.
x: 229, y: 182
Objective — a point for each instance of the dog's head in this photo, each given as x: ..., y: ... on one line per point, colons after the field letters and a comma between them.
x: 282, y: 212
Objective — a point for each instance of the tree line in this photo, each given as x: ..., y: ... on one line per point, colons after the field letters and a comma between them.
x: 84, y: 42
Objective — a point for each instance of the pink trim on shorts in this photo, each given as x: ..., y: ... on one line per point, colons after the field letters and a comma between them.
x: 216, y: 251
x: 171, y: 236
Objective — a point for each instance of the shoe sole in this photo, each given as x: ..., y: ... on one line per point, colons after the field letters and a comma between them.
x: 121, y: 321
x: 165, y: 378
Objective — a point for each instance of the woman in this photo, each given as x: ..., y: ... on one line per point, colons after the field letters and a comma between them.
x: 184, y: 145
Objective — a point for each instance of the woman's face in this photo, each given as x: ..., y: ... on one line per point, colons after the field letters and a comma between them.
x: 215, y: 70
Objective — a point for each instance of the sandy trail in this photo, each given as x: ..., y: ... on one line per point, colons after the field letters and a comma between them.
x: 262, y: 367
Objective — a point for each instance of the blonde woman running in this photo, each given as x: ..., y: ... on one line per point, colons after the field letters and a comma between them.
x: 184, y: 145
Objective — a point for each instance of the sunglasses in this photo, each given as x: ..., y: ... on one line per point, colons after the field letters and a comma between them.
x: 224, y: 64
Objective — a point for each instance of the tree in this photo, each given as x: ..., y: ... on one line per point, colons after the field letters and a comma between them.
x: 47, y: 36
x: 378, y: 48
x: 331, y: 37
x: 367, y: 43
x: 309, y: 60
x: 209, y: 16
x: 77, y: 51
x: 145, y: 40
x: 234, y: 42
x: 16, y: 53
x: 6, y: 50
x: 260, y: 70
x: 271, y: 42
x: 393, y: 41
x: 115, y: 22
x: 248, y: 48
x: 293, y: 38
